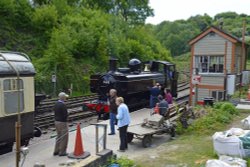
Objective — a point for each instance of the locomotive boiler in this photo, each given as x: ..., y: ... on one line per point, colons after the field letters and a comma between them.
x: 133, y: 82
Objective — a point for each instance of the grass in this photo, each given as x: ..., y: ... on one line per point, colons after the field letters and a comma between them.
x: 187, y: 150
x: 183, y: 65
x: 191, y: 149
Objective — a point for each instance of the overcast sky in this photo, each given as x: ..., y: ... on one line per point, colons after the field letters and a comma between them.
x: 183, y: 9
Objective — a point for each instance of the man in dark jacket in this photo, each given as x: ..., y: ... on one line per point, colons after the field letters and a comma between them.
x: 154, y: 93
x: 61, y: 116
x: 113, y: 110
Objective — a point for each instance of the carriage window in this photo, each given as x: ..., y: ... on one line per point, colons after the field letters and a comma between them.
x: 11, y: 95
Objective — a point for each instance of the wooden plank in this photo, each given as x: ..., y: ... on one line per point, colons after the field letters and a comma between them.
x: 139, y: 130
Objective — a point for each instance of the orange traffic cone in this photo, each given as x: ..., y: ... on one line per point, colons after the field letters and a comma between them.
x: 156, y: 109
x: 79, y: 152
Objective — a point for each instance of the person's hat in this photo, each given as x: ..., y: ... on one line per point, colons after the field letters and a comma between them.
x: 62, y: 94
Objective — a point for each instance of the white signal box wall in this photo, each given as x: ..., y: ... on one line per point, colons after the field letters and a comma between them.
x: 245, y: 77
x: 231, y: 84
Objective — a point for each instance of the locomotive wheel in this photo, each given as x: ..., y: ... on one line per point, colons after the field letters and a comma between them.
x: 105, y: 116
x: 37, y: 132
x: 130, y: 137
x: 147, y: 141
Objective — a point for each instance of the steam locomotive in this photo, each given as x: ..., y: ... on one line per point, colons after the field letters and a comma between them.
x: 132, y: 82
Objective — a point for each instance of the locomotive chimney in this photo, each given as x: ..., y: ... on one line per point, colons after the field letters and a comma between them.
x: 112, y: 64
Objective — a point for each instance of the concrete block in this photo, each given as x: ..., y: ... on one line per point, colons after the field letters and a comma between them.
x: 38, y: 164
x: 105, y: 152
x: 100, y: 159
x: 155, y: 120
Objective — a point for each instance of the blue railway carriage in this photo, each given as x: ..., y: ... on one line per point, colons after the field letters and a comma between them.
x: 9, y: 98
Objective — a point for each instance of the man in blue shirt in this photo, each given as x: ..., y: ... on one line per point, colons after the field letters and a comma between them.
x: 123, y: 122
x: 154, y: 93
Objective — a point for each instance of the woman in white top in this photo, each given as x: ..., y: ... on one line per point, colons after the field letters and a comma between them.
x: 123, y: 122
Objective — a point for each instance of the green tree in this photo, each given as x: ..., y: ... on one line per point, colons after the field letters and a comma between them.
x: 132, y: 11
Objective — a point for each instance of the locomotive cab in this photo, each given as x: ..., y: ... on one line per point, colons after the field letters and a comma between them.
x: 170, y: 73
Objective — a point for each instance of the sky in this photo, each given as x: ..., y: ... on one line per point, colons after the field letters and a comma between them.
x: 166, y: 10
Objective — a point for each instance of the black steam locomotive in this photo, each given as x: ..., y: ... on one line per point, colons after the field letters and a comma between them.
x: 133, y: 82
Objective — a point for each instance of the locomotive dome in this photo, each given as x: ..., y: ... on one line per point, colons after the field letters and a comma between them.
x: 134, y: 65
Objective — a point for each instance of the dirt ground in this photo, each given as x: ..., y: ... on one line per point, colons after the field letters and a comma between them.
x: 167, y: 154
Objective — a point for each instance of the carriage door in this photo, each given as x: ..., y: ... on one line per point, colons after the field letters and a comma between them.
x: 10, y: 91
x: 172, y: 76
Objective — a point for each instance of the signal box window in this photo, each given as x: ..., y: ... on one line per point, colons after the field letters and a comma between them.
x: 218, y: 95
x: 10, y: 88
x: 209, y: 64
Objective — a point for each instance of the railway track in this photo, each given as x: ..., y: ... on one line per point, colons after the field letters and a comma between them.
x: 73, y: 102
x: 44, y: 117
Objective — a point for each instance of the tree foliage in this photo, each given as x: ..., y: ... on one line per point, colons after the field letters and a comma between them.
x: 75, y: 38
x: 175, y: 35
x: 132, y: 11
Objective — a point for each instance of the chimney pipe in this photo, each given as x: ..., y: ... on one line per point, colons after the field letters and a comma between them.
x: 112, y: 64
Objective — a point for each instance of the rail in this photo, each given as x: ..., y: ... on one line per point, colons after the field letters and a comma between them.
x: 44, y: 117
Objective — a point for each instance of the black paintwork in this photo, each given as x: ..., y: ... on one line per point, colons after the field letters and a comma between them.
x: 7, y: 125
x: 134, y: 86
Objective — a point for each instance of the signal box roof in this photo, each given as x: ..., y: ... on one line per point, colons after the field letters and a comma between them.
x: 19, y: 61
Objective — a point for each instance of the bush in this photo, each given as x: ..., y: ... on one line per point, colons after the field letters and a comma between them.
x: 123, y: 162
x: 229, y: 107
x: 221, y: 113
x: 218, y: 105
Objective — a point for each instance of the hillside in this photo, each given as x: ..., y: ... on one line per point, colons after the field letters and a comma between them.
x: 74, y: 39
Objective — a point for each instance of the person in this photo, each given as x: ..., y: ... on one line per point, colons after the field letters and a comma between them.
x: 168, y: 96
x: 186, y: 114
x: 113, y: 110
x: 61, y: 116
x: 123, y: 122
x: 154, y: 93
x: 163, y: 105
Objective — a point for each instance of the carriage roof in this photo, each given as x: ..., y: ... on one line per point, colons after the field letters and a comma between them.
x: 19, y: 61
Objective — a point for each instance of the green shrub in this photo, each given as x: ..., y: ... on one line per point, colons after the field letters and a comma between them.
x: 248, y: 161
x: 223, y: 116
x: 229, y: 107
x: 218, y: 105
x: 221, y: 113
x: 123, y: 162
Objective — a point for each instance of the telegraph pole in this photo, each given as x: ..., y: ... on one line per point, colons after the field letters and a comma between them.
x: 53, y: 79
x: 196, y: 87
